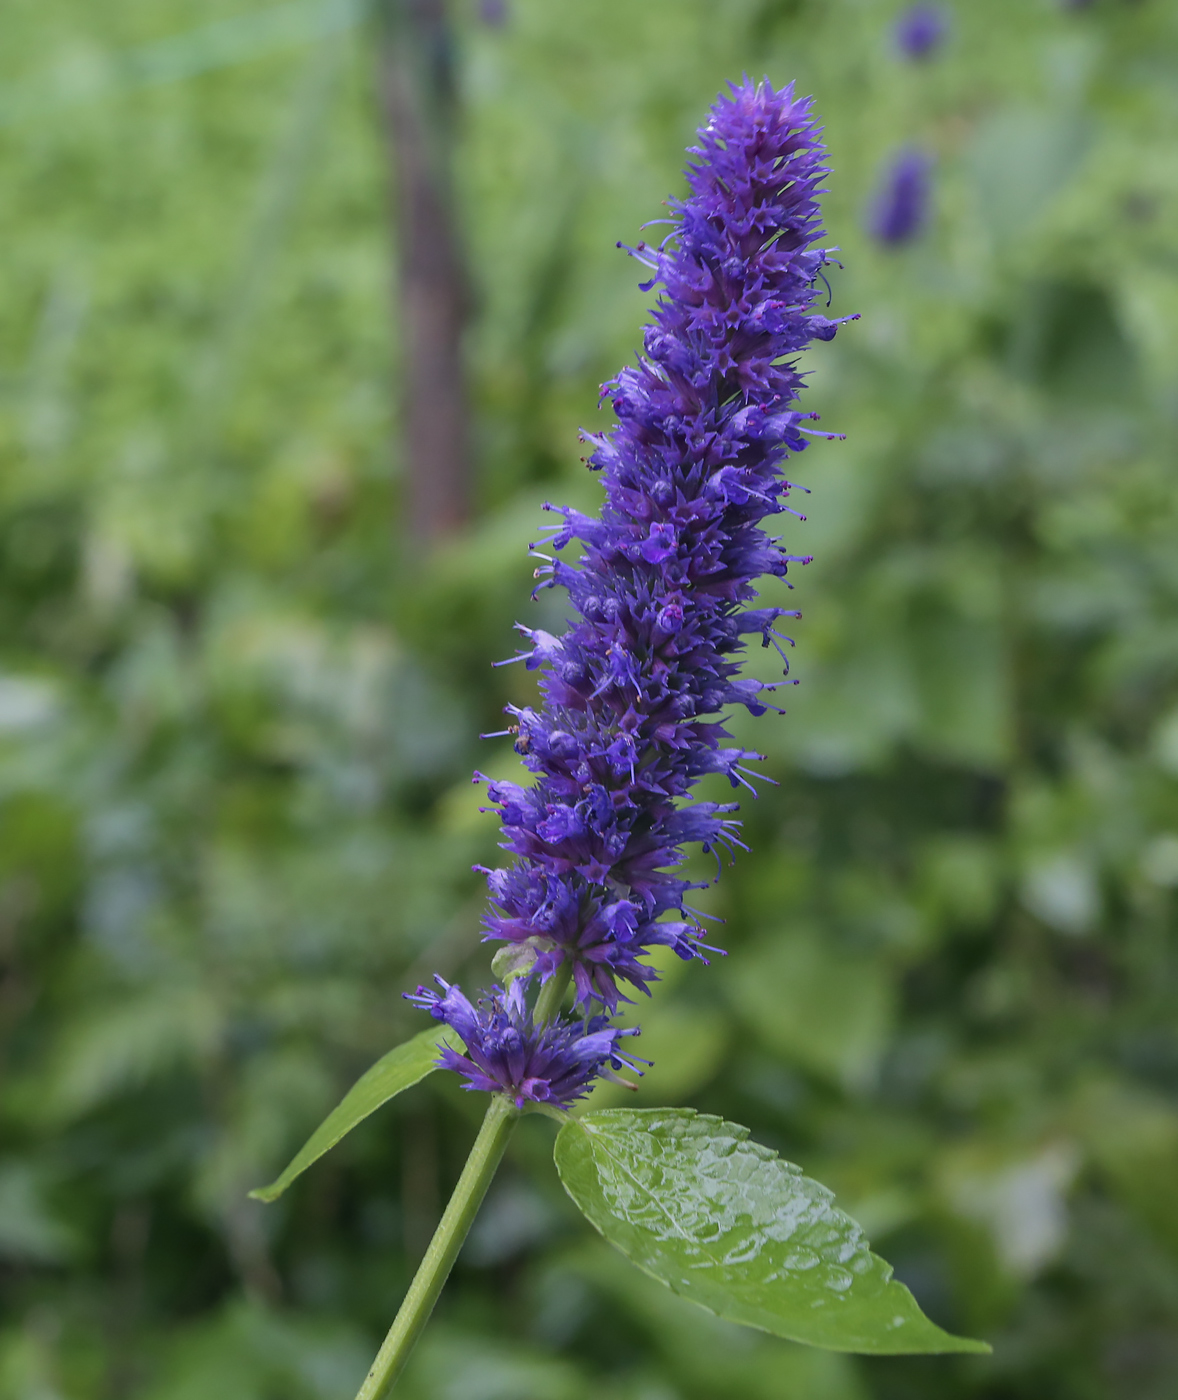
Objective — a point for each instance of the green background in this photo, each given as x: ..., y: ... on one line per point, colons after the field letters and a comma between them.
x: 237, y: 714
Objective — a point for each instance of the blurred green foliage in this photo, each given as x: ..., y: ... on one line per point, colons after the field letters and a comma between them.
x: 237, y: 714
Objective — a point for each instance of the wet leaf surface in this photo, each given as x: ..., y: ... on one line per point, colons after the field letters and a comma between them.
x: 728, y: 1224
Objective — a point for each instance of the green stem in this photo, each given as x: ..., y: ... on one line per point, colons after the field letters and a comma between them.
x: 485, y: 1156
x: 552, y: 994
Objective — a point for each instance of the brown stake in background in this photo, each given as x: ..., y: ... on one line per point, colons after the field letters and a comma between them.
x: 418, y: 99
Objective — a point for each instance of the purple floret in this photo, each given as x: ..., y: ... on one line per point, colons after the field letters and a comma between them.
x: 921, y: 30
x: 665, y: 575
x: 506, y: 1053
x: 900, y: 211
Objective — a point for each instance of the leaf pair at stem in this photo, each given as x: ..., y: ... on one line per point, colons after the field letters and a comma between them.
x: 688, y: 1198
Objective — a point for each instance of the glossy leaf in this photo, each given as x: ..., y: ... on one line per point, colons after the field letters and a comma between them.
x: 400, y: 1069
x: 726, y: 1223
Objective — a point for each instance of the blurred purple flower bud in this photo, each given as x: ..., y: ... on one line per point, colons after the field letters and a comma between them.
x: 921, y: 30
x: 900, y: 210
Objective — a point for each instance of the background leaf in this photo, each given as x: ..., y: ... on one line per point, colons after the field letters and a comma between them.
x: 706, y: 1353
x: 826, y: 1008
x: 729, y: 1225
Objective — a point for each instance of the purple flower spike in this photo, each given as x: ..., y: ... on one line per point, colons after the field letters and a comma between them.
x: 921, y: 30
x: 506, y: 1053
x: 900, y: 211
x: 661, y: 595
x: 667, y: 568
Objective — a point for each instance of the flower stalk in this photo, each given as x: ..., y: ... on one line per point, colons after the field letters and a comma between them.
x: 453, y: 1228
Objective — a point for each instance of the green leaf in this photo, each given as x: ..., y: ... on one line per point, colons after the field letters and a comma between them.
x: 726, y: 1223
x: 514, y: 960
x: 400, y: 1069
